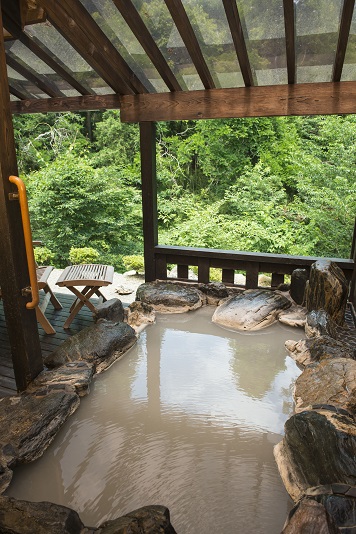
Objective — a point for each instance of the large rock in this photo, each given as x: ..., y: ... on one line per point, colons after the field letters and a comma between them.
x: 111, y: 310
x: 318, y: 449
x: 167, y: 297
x: 100, y: 344
x: 145, y: 520
x: 330, y: 382
x: 140, y: 314
x: 29, y: 423
x: 214, y: 291
x: 327, y: 290
x: 298, y: 284
x: 23, y: 517
x: 294, y: 316
x: 251, y: 310
x: 74, y: 376
x: 310, y: 517
x: 319, y: 323
x: 316, y: 349
x: 324, y: 510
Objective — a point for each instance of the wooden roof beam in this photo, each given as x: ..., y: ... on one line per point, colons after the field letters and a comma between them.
x: 345, y: 23
x: 289, y: 24
x: 139, y: 29
x: 262, y: 101
x: 46, y: 86
x: 186, y: 31
x: 68, y: 103
x: 76, y: 25
x: 236, y: 30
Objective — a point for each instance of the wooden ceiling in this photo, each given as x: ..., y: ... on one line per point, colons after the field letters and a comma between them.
x: 181, y: 59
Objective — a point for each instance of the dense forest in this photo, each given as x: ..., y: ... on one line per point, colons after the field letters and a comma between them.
x: 281, y: 185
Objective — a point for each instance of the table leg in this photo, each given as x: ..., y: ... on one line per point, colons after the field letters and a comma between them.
x: 81, y: 300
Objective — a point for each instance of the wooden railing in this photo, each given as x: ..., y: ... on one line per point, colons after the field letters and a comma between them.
x: 229, y: 261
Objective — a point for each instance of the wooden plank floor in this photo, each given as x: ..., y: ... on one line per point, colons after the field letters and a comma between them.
x: 48, y: 342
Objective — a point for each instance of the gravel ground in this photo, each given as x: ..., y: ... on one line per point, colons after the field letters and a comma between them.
x: 122, y: 282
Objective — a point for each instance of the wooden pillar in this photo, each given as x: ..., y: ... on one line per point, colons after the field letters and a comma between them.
x: 21, y: 322
x: 149, y: 196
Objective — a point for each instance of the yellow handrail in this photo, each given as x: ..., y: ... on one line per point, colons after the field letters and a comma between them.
x: 28, y: 241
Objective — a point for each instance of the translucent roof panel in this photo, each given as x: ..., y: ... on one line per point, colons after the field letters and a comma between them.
x: 263, y: 26
x: 28, y: 58
x: 52, y: 42
x: 111, y: 22
x: 349, y: 69
x: 317, y: 27
x: 28, y: 89
x: 159, y: 22
x: 211, y: 28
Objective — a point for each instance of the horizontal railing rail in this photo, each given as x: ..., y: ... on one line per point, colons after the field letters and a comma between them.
x: 229, y: 261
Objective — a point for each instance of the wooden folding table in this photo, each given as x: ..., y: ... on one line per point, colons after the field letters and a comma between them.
x: 92, y: 277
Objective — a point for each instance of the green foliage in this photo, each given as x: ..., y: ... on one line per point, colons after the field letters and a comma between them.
x: 84, y: 255
x: 134, y: 263
x: 43, y: 256
x: 42, y: 137
x: 74, y: 205
x: 281, y: 185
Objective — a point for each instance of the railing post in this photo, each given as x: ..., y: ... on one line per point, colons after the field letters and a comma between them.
x: 149, y: 196
x: 352, y: 296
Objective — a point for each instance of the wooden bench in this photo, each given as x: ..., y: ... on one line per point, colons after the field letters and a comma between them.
x: 42, y: 281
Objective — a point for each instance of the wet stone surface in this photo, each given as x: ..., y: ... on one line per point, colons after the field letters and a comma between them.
x: 251, y: 310
x: 168, y: 297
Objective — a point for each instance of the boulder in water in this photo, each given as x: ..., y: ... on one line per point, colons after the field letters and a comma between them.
x: 318, y: 449
x: 327, y: 290
x: 251, y: 310
x: 100, y: 344
x: 167, y: 297
x: 330, y: 382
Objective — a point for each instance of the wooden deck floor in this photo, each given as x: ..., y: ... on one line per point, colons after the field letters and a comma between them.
x: 48, y: 342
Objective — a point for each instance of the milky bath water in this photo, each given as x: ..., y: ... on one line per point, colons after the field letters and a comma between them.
x: 188, y: 418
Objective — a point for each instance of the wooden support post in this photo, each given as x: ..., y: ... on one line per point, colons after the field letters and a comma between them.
x: 21, y: 322
x: 149, y: 196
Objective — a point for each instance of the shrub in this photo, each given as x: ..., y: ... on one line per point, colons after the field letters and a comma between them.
x: 83, y: 255
x: 134, y: 263
x: 44, y: 256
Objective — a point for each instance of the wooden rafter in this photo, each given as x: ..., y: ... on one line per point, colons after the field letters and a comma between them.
x: 262, y: 101
x: 236, y: 30
x: 186, y: 31
x: 31, y: 44
x: 139, y: 29
x: 19, y: 94
x: 44, y: 85
x: 289, y: 24
x: 76, y: 25
x: 345, y: 23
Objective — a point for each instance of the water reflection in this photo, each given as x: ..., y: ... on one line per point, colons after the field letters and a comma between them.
x: 187, y: 419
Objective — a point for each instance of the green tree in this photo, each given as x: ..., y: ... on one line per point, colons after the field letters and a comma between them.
x: 74, y: 205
